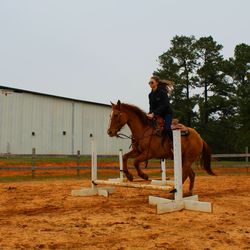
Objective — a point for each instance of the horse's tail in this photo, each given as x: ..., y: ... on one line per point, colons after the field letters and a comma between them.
x: 206, y: 158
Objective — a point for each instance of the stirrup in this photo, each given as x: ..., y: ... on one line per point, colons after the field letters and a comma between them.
x: 185, y: 133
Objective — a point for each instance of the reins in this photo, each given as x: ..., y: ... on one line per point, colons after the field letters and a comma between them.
x: 136, y: 139
x: 123, y: 136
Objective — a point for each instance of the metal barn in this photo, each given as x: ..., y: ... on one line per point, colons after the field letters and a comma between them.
x: 53, y: 124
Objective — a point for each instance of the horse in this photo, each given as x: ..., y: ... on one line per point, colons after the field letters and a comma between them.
x: 146, y: 144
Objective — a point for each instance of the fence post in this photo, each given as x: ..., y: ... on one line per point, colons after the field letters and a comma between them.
x: 33, y: 167
x: 78, y: 163
x: 246, y: 150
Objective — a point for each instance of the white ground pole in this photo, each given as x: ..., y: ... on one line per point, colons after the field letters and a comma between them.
x: 179, y: 203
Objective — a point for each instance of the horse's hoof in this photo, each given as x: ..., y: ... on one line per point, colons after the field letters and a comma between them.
x: 129, y: 176
x: 144, y: 176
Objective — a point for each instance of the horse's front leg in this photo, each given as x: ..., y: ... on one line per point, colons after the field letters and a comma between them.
x: 132, y: 154
x: 138, y: 160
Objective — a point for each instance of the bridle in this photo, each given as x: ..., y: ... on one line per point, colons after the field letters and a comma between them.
x: 135, y: 140
x: 131, y: 137
x: 124, y: 136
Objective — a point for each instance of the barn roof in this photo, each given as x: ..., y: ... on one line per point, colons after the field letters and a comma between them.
x: 49, y: 95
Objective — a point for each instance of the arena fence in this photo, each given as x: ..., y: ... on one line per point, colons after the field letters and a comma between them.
x: 33, y: 162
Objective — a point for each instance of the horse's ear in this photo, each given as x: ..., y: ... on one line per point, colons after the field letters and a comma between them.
x: 112, y: 104
x: 118, y: 104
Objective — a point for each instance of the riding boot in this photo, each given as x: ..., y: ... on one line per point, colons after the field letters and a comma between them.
x: 169, y: 133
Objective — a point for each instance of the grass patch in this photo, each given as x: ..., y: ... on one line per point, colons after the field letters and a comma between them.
x: 27, y: 160
x: 39, y: 178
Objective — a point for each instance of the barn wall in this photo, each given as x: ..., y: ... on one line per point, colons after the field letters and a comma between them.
x: 53, y: 125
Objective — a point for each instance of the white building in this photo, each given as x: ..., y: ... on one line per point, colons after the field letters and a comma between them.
x: 53, y: 124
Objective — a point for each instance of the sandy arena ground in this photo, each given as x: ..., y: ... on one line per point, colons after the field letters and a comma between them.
x: 44, y: 215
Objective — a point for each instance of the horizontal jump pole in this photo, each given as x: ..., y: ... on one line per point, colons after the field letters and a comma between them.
x: 132, y: 185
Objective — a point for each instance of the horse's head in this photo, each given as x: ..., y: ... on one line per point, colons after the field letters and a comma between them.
x: 118, y: 119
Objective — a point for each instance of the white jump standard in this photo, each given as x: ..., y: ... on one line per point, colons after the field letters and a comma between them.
x: 179, y: 203
x: 93, y: 190
x: 121, y: 178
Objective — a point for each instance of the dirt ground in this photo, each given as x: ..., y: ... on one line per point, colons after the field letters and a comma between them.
x: 43, y: 215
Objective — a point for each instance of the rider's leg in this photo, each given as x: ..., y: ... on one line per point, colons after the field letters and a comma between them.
x: 168, y: 122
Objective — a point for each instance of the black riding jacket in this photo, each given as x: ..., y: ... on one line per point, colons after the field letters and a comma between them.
x: 159, y: 102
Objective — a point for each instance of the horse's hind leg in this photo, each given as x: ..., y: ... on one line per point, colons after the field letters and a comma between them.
x: 187, y: 171
x: 191, y: 178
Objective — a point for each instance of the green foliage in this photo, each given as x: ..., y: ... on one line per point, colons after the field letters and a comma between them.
x: 210, y: 93
x: 178, y: 64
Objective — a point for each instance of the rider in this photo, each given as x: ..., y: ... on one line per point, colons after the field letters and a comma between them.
x: 159, y: 103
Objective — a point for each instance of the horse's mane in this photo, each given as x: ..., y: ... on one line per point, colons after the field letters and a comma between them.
x: 139, y: 112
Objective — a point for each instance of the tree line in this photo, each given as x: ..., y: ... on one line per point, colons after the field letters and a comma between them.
x: 211, y: 93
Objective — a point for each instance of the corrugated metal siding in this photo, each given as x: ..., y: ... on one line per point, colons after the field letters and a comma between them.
x: 24, y: 113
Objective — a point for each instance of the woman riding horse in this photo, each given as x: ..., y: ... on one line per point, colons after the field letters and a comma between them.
x: 159, y: 104
x: 147, y: 145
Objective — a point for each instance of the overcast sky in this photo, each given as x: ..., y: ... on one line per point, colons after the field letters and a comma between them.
x: 105, y: 50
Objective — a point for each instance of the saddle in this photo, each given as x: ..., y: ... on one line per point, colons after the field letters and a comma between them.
x: 159, y: 126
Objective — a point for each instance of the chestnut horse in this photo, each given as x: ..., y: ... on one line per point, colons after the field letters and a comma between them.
x: 147, y: 145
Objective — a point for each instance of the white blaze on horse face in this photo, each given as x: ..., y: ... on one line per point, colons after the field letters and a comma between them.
x: 110, y: 117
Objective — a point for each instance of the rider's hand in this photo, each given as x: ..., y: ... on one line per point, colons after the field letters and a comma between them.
x: 150, y: 115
